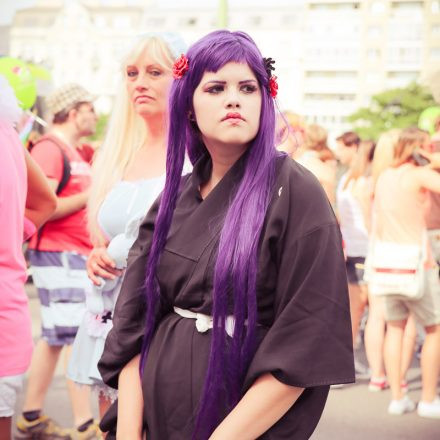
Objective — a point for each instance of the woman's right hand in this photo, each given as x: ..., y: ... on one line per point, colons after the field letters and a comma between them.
x: 100, y: 264
x: 434, y: 158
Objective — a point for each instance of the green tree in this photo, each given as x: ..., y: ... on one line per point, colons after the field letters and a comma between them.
x: 395, y: 108
x: 101, y: 127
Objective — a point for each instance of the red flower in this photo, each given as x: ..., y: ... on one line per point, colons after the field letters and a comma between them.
x: 180, y: 67
x: 273, y: 86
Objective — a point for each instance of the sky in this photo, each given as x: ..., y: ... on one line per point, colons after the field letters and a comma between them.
x: 8, y: 7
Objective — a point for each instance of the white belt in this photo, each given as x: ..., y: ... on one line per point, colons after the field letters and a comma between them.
x: 206, y: 322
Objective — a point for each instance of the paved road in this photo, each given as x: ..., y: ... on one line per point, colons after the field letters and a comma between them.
x: 352, y: 412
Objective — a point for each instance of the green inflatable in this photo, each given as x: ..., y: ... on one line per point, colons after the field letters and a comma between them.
x: 21, y: 80
x: 427, y: 119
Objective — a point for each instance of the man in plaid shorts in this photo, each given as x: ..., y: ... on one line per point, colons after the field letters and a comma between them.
x: 58, y: 259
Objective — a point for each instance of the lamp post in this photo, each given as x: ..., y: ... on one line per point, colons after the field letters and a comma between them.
x: 223, y: 14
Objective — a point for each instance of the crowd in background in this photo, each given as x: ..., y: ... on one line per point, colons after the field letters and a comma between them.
x: 386, y: 190
x: 380, y: 191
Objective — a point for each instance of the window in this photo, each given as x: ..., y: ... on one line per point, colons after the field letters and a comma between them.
x: 155, y: 21
x: 400, y: 79
x: 413, y: 9
x: 378, y: 7
x: 100, y: 21
x: 331, y: 74
x: 404, y: 55
x: 434, y: 53
x: 289, y: 20
x: 373, y: 54
x: 344, y: 6
x: 255, y: 20
x: 435, y: 6
x: 192, y: 21
x: 121, y: 22
x: 435, y: 30
x: 374, y: 31
x: 372, y: 78
x: 399, y: 30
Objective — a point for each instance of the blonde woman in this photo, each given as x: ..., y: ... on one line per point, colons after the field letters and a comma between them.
x: 398, y: 216
x: 384, y: 152
x: 318, y: 158
x: 290, y: 131
x: 375, y: 325
x: 128, y: 175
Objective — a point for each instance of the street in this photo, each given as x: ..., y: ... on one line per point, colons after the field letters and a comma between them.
x: 352, y: 412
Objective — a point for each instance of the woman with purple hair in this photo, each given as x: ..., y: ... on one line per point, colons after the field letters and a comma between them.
x: 235, y: 299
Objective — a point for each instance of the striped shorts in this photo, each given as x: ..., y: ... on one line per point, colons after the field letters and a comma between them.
x: 61, y: 280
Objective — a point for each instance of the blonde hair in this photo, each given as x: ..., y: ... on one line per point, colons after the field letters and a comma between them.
x: 126, y: 133
x: 315, y: 137
x: 384, y: 153
x: 360, y: 165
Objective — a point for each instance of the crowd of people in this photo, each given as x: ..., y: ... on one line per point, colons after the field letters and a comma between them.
x: 199, y: 259
x: 388, y: 193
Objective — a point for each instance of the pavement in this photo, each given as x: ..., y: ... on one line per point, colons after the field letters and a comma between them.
x: 351, y: 413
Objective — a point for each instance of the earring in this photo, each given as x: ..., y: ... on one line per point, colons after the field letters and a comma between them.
x: 191, y: 116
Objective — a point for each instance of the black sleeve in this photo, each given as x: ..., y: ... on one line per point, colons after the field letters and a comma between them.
x: 124, y: 340
x: 309, y: 343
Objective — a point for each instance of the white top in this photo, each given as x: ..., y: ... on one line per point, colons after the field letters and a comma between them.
x: 351, y: 218
x: 127, y: 201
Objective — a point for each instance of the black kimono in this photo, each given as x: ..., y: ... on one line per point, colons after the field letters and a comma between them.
x: 304, y: 329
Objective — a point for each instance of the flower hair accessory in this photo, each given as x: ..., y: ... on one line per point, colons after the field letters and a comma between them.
x: 180, y: 67
x: 273, y: 84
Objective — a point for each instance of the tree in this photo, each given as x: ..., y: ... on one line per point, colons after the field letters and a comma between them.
x: 395, y: 108
x: 101, y: 127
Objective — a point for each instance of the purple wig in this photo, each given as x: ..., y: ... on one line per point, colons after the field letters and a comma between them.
x: 236, y: 265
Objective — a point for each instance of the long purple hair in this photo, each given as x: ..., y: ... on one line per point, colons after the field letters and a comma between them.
x: 236, y: 265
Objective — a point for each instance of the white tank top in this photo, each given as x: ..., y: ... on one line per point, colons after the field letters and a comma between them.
x: 351, y: 218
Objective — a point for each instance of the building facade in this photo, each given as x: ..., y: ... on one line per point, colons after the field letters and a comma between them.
x: 331, y: 55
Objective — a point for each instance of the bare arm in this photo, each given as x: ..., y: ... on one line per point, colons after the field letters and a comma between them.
x: 41, y: 200
x: 429, y: 179
x: 266, y: 401
x: 130, y: 402
x: 68, y: 205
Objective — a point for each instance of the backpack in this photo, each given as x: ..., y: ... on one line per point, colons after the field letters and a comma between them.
x: 64, y: 178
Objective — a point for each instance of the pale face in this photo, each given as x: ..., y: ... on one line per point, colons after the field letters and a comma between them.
x: 227, y: 106
x: 148, y: 86
x: 85, y: 119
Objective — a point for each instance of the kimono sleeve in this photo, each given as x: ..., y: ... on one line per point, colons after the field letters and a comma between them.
x: 124, y: 340
x: 310, y: 342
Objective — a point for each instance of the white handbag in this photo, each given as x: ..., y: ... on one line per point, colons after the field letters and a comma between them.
x: 395, y: 269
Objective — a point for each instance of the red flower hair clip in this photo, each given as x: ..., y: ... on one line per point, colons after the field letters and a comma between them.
x: 273, y: 86
x: 180, y: 67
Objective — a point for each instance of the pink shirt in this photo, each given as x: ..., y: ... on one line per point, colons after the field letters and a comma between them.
x: 15, y: 321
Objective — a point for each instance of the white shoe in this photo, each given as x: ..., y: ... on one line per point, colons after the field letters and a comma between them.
x: 402, y: 406
x: 430, y: 410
